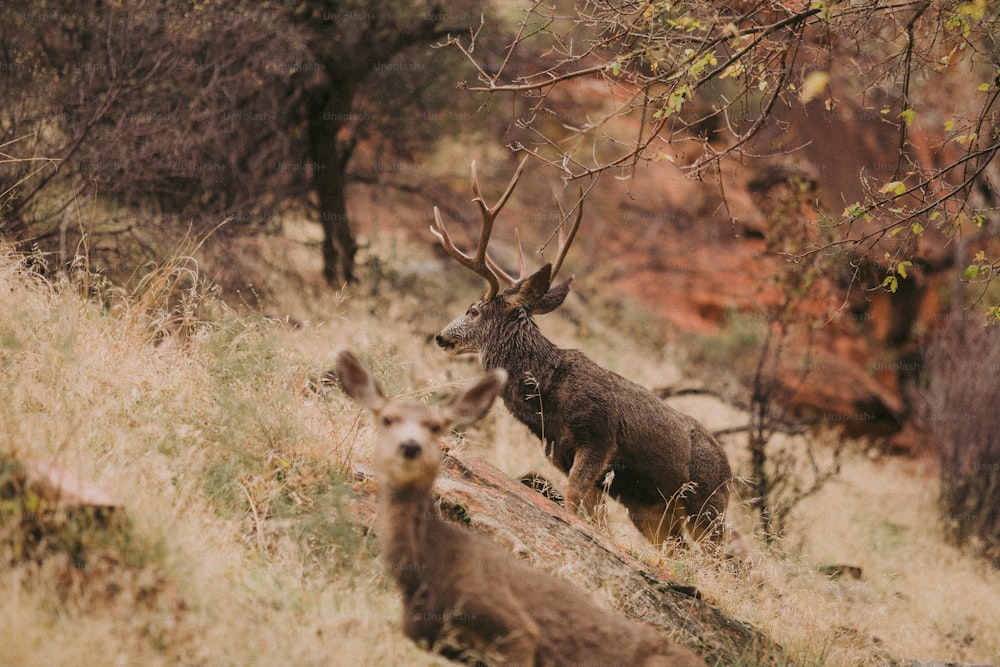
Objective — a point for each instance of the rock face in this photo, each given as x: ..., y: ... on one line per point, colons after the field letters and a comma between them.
x: 705, y: 265
x: 548, y: 537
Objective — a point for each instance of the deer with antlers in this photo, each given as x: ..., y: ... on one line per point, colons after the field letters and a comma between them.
x: 599, y: 428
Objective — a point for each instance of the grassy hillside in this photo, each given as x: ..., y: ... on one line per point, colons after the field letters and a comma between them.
x: 233, y: 465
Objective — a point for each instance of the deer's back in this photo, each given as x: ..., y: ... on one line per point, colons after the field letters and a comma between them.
x: 472, y: 586
x: 657, y: 448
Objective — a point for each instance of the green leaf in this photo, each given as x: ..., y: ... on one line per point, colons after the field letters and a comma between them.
x: 971, y: 272
x: 824, y: 11
x: 616, y: 68
x: 891, y: 283
x: 908, y: 115
x: 853, y: 211
x: 901, y: 268
x: 917, y: 228
x: 983, y: 87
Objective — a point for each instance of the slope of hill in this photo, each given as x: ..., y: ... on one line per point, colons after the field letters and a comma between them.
x: 235, y: 544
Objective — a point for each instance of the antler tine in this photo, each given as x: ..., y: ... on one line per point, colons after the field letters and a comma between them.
x: 566, y: 238
x: 481, y: 263
x: 478, y: 266
x: 521, y: 267
x: 490, y: 212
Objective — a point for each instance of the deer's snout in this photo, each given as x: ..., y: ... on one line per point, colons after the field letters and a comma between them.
x: 410, y: 449
x: 443, y: 342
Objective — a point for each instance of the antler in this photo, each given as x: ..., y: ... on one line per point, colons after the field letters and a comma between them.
x: 566, y: 237
x: 481, y: 263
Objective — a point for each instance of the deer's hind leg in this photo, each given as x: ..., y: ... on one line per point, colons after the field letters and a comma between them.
x: 491, y: 626
x: 709, y: 520
x: 660, y: 523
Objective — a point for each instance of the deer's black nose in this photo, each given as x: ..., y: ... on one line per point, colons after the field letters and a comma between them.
x: 441, y: 341
x: 410, y: 449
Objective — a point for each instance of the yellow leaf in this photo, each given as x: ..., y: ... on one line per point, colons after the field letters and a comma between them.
x: 814, y: 84
x: 895, y: 187
x: 733, y: 70
x: 974, y: 9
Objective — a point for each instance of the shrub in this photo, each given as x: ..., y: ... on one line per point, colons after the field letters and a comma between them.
x: 960, y: 398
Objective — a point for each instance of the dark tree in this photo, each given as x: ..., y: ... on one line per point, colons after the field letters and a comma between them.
x: 229, y: 111
x: 366, y: 51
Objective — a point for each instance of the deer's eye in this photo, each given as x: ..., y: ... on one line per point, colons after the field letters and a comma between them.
x: 435, y: 428
x: 386, y: 421
x: 474, y: 311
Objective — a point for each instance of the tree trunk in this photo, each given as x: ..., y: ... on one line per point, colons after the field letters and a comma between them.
x: 329, y: 111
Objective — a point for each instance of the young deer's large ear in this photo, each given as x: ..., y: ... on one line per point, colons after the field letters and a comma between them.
x: 531, y: 289
x: 552, y: 299
x: 358, y: 381
x: 471, y: 403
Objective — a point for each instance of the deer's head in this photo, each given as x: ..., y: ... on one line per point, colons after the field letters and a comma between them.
x: 489, y: 318
x: 407, y: 451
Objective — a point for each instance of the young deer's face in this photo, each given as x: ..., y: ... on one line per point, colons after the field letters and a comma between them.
x: 407, y: 448
x: 408, y: 434
x: 489, y: 322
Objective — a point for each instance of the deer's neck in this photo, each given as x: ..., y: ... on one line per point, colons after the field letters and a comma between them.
x: 531, y: 361
x: 521, y: 350
x: 404, y: 517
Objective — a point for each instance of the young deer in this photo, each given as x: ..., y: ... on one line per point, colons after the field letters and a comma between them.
x: 462, y: 596
x: 598, y: 427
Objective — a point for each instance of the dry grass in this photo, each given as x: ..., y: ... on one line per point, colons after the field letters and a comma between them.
x: 232, y: 468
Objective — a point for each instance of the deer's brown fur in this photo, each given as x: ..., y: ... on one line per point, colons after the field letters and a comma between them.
x: 601, y: 429
x: 462, y: 595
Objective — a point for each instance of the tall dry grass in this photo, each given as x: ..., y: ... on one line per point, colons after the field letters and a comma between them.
x: 233, y: 470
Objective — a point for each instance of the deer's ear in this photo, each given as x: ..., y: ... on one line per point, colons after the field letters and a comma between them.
x: 531, y: 289
x: 552, y: 299
x: 472, y: 403
x: 358, y: 381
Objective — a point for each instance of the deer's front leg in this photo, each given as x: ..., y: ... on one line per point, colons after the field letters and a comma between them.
x: 589, y: 463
